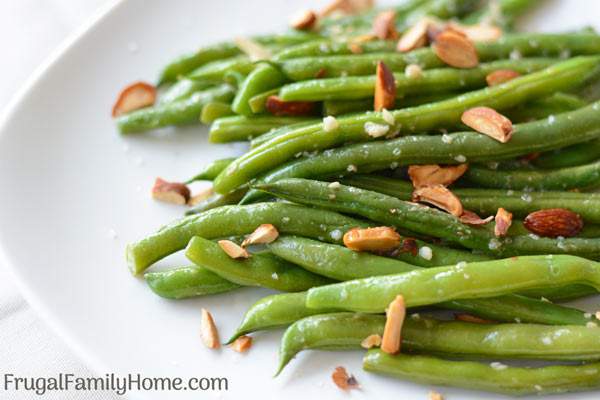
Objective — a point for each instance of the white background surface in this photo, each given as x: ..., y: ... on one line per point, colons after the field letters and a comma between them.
x: 29, y: 30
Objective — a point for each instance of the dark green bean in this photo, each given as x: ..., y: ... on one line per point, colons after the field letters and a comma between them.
x: 265, y: 76
x: 180, y: 283
x: 238, y: 127
x: 216, y: 71
x: 571, y: 156
x: 210, y: 171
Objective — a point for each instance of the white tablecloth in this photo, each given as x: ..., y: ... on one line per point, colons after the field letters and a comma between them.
x: 29, y: 31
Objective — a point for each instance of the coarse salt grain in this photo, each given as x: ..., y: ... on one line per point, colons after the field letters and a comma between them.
x: 274, y: 275
x: 426, y: 253
x: 460, y: 158
x: 334, y: 185
x: 447, y: 138
x: 498, y: 366
x: 376, y: 130
x: 330, y: 123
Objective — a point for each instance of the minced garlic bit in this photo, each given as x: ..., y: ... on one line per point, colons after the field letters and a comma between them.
x: 413, y: 71
x: 388, y: 117
x: 330, y: 123
x: 376, y: 130
x: 426, y: 253
x: 460, y: 158
x: 498, y: 366
x: 334, y: 185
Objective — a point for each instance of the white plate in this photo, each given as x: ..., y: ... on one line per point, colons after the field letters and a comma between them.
x: 69, y: 182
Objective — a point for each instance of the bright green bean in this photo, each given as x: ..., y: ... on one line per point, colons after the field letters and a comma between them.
x: 215, y: 110
x: 265, y: 76
x: 216, y: 71
x: 571, y: 156
x: 218, y: 200
x: 183, y: 89
x: 238, y: 127
x: 210, y: 171
x: 258, y: 102
x: 180, y: 283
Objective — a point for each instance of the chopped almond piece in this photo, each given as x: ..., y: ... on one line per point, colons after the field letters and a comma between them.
x: 597, y: 314
x: 281, y: 108
x: 201, y: 196
x: 252, y: 49
x: 501, y: 76
x: 489, y: 122
x: 479, y: 32
x: 439, y: 196
x: 304, y: 20
x: 414, y: 37
x: 384, y: 25
x: 232, y: 249
x: 242, y: 344
x: 208, y: 330
x: 135, y: 96
x: 472, y: 319
x: 170, y: 192
x: 470, y: 218
x: 433, y: 174
x: 347, y: 7
x: 371, y: 341
x: 435, y: 396
x: 503, y: 222
x: 385, y: 88
x: 396, y: 312
x: 321, y: 73
x: 372, y: 239
x: 355, y: 48
x: 343, y: 380
x: 455, y: 50
x: 265, y: 233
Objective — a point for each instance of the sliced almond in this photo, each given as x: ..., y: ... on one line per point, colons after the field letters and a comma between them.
x: 455, y: 50
x: 208, y: 330
x: 255, y: 51
x: 433, y: 174
x: 478, y: 32
x: 414, y: 37
x: 372, y: 239
x: 371, y: 341
x: 170, y: 192
x: 501, y: 76
x: 304, y: 20
x: 396, y: 312
x: 470, y: 218
x: 242, y: 344
x: 342, y: 380
x: 385, y: 88
x: 503, y: 221
x: 384, y: 25
x: 133, y: 97
x: 472, y: 319
x: 265, y: 233
x: 201, y: 196
x: 489, y: 122
x: 439, y: 196
x: 232, y: 249
x: 347, y: 7
x: 435, y: 396
x: 281, y: 108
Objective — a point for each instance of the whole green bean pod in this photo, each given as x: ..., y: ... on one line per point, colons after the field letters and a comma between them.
x: 237, y: 220
x: 542, y: 108
x: 210, y: 171
x: 424, y: 220
x: 331, y: 47
x: 477, y: 376
x: 577, y: 177
x: 182, y: 89
x: 259, y: 140
x: 422, y: 118
x: 239, y: 127
x: 440, y: 80
x: 265, y: 76
x: 263, y: 270
x: 465, y: 281
x: 218, y: 200
x: 501, y: 13
x: 181, y: 112
x: 181, y: 283
x: 345, y: 331
x: 215, y: 110
x: 217, y: 71
x: 570, y: 156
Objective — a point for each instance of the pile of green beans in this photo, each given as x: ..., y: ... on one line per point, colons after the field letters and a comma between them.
x: 321, y: 162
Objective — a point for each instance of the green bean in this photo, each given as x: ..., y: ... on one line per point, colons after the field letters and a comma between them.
x: 183, y: 89
x: 180, y: 283
x: 210, y: 171
x: 441, y: 80
x: 422, y: 118
x: 328, y: 47
x: 577, y: 177
x: 340, y: 107
x: 258, y: 102
x: 582, y: 125
x: 217, y: 70
x: 543, y: 108
x: 239, y: 127
x: 487, y: 201
x: 215, y: 110
x: 259, y: 140
x: 424, y: 220
x: 345, y: 331
x: 186, y: 111
x: 237, y: 220
x: 505, y: 14
x: 218, y: 200
x: 265, y: 76
x: 263, y: 270
x: 234, y: 78
x: 477, y: 376
x: 571, y: 156
x: 464, y: 281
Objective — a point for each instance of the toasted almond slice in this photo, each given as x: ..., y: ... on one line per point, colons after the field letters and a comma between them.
x: 170, y: 192
x: 252, y: 49
x: 455, y: 50
x: 281, y: 108
x: 396, y: 312
x: 435, y: 396
x: 135, y: 96
x: 489, y: 122
x: 304, y: 20
x: 472, y: 319
x: 501, y: 76
x: 201, y: 196
x: 384, y: 25
x: 597, y: 314
x: 208, y: 330
x: 265, y: 233
x: 372, y: 239
x: 433, y: 174
x: 342, y: 380
x: 478, y: 32
x: 232, y: 249
x: 242, y: 344
x: 414, y: 37
x: 439, y: 196
x: 503, y: 222
x: 385, y: 88
x: 470, y: 218
x: 347, y: 7
x: 371, y: 341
